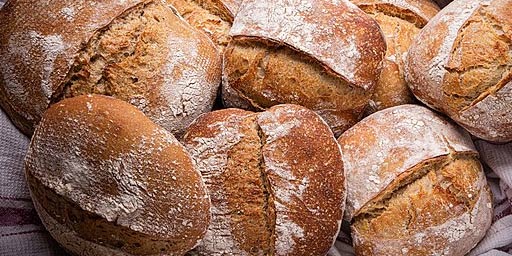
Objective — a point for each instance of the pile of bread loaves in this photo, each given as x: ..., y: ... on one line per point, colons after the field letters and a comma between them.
x: 127, y: 158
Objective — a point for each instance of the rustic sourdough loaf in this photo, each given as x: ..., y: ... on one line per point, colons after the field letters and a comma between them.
x: 461, y: 64
x: 325, y: 55
x: 106, y: 180
x: 414, y: 185
x: 135, y: 50
x: 275, y: 179
x: 214, y: 17
x: 400, y: 22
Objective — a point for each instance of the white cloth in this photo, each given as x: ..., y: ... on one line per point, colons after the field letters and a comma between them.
x: 21, y: 232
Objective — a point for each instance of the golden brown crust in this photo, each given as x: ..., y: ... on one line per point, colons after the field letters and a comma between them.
x: 213, y: 17
x: 261, y: 75
x: 103, y: 172
x: 417, y: 12
x: 461, y: 64
x: 133, y: 50
x: 415, y: 185
x: 282, y: 155
x: 290, y: 59
x: 352, y: 49
x: 400, y: 22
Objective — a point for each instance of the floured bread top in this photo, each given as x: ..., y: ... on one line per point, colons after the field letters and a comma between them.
x: 336, y: 33
x: 265, y: 173
x: 414, y: 185
x: 131, y: 184
x: 138, y: 51
x: 388, y: 143
x: 461, y: 64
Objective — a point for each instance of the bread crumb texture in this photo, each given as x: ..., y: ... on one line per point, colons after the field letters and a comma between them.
x: 107, y: 180
x: 137, y: 51
x: 266, y: 177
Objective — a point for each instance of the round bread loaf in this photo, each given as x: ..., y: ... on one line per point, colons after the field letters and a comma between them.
x: 400, y: 22
x: 275, y: 179
x: 214, y: 17
x: 325, y: 55
x: 135, y: 50
x: 461, y: 65
x: 106, y: 180
x: 414, y: 185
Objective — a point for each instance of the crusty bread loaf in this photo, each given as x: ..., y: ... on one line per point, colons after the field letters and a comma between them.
x: 400, y: 22
x: 135, y: 50
x: 414, y: 185
x: 214, y: 17
x: 275, y: 179
x: 324, y: 55
x: 106, y: 180
x: 461, y: 65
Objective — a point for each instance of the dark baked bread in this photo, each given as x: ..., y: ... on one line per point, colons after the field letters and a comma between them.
x: 138, y: 51
x: 323, y: 55
x: 414, y: 185
x: 106, y: 180
x: 400, y: 22
x: 275, y: 179
x: 461, y: 65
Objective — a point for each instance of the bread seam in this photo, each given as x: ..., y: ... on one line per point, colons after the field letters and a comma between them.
x: 213, y: 11
x: 506, y: 74
x: 381, y: 8
x: 269, y: 206
x: 372, y: 212
x: 92, y: 44
x: 274, y: 45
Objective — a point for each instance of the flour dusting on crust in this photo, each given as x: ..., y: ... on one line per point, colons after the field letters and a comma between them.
x: 328, y: 30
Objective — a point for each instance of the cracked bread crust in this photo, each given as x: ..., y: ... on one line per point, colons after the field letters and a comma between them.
x: 265, y: 174
x: 138, y: 51
x: 461, y: 64
x: 400, y: 22
x: 107, y: 179
x: 213, y: 17
x: 289, y: 58
x: 417, y: 12
x: 414, y: 185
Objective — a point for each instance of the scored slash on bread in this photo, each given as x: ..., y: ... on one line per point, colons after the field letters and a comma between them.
x: 414, y: 185
x: 137, y: 50
x: 275, y: 179
x: 324, y: 55
x: 461, y: 65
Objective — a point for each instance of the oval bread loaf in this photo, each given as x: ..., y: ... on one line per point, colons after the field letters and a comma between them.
x: 106, y: 180
x: 414, y: 185
x: 461, y: 65
x: 400, y: 22
x: 136, y: 50
x: 275, y: 178
x: 324, y: 55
